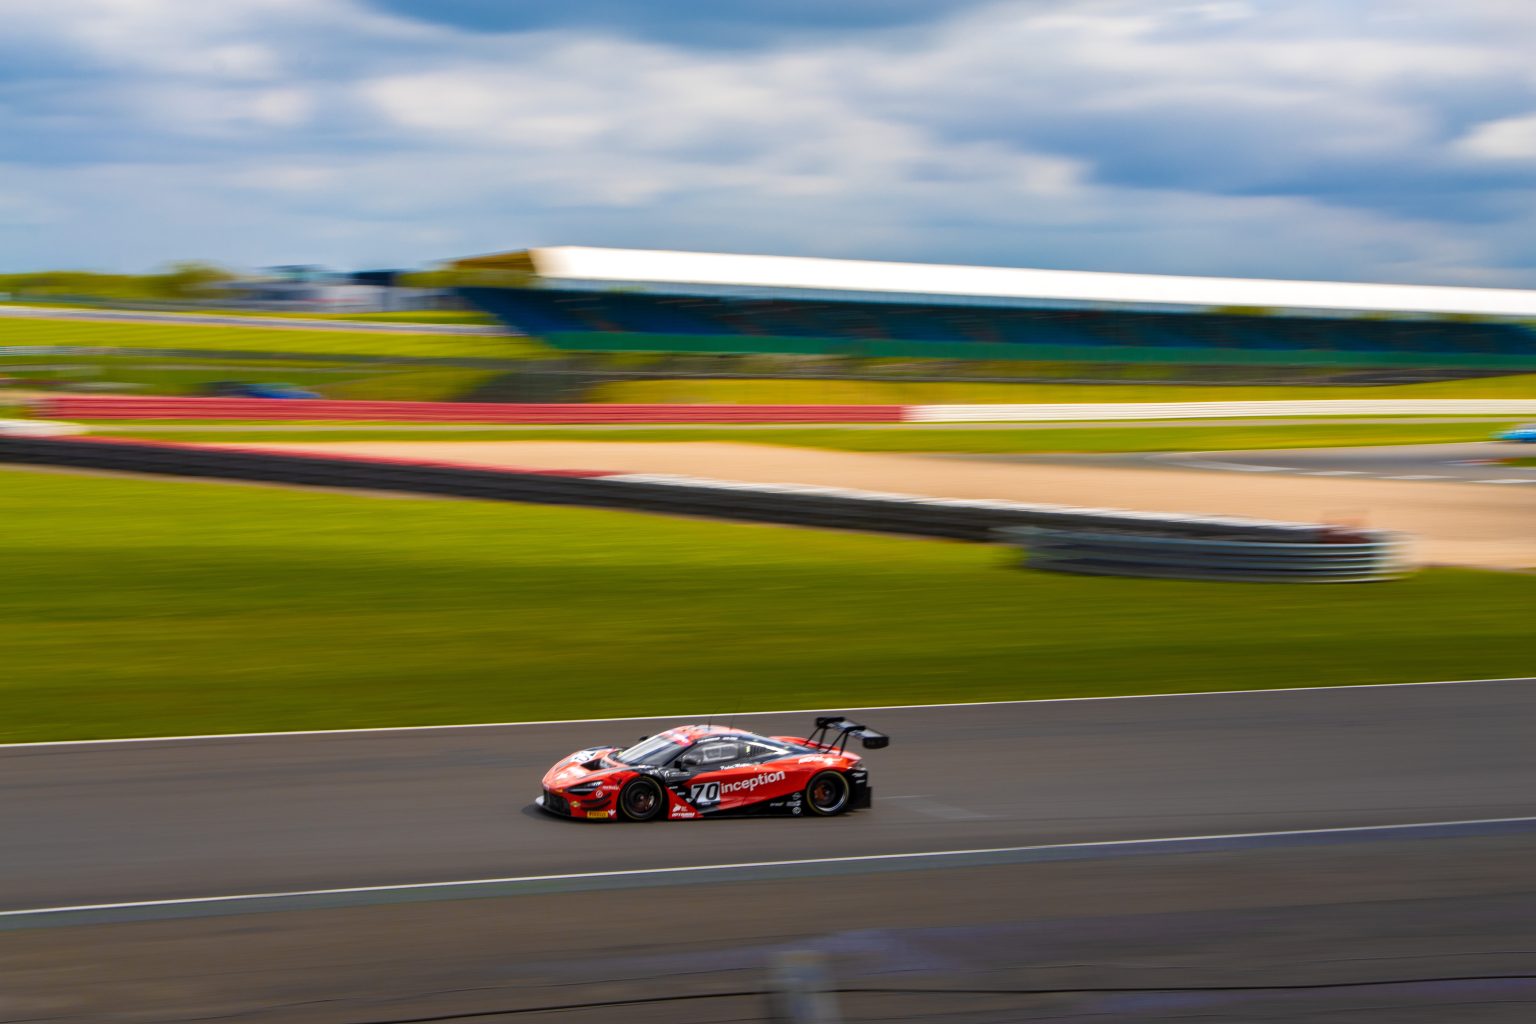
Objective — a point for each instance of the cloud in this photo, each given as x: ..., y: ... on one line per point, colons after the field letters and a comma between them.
x: 1370, y: 143
x: 1509, y: 138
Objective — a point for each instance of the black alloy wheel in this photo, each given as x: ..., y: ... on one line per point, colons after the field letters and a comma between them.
x: 642, y: 799
x: 828, y: 793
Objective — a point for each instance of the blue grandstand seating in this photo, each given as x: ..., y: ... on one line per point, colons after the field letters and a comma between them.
x: 844, y: 324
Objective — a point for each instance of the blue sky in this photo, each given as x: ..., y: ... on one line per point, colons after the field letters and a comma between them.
x: 1373, y: 141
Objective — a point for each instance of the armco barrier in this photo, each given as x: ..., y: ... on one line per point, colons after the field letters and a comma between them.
x: 1370, y: 556
x: 1219, y: 410
x: 38, y: 428
x: 103, y: 408
x: 959, y: 519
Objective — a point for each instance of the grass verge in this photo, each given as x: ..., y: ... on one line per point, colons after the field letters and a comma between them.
x: 22, y: 331
x: 148, y: 607
x: 984, y: 441
x: 464, y: 317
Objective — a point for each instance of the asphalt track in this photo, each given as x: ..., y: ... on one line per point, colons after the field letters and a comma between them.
x: 159, y: 820
x: 1408, y: 933
x: 1447, y: 463
x: 1413, y: 927
x: 1476, y: 462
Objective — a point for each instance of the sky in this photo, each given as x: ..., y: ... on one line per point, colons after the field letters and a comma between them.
x: 1367, y: 140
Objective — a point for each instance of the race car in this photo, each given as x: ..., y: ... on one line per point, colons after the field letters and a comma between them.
x: 1525, y: 432
x: 708, y: 771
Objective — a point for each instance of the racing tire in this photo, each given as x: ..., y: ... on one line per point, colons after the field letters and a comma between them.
x: 828, y: 793
x: 642, y: 800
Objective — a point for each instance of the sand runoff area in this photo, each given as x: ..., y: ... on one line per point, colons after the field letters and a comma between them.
x: 1466, y: 524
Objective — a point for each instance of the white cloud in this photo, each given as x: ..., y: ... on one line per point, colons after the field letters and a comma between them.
x: 1509, y: 138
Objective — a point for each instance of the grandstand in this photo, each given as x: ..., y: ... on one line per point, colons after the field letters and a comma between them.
x: 614, y: 300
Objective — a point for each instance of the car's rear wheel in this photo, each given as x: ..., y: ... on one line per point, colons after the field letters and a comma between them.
x: 642, y: 799
x: 828, y: 793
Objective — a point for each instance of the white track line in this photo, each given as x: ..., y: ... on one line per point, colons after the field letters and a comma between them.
x: 694, y: 716
x: 1506, y: 480
x: 932, y: 855
x: 1237, y: 466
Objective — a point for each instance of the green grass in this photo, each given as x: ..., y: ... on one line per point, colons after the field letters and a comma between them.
x: 91, y: 333
x: 146, y: 607
x: 834, y: 392
x: 466, y: 317
x: 894, y: 439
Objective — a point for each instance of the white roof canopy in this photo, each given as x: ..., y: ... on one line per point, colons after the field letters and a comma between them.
x: 662, y: 267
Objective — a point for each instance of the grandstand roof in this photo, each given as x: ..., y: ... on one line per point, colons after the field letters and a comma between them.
x: 672, y: 270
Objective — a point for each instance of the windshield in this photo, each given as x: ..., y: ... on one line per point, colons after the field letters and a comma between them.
x: 655, y: 751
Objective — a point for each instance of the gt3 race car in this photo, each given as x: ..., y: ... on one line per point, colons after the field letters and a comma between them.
x: 696, y: 771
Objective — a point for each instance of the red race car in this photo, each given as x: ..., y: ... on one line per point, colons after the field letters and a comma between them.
x: 699, y: 771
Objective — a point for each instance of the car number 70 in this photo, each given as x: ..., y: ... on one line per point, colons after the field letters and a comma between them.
x: 703, y: 793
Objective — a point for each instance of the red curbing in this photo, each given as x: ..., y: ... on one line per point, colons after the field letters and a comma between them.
x: 112, y: 408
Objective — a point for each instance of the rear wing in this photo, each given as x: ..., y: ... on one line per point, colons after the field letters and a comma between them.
x: 834, y: 731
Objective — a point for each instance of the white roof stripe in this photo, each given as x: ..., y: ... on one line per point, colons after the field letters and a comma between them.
x: 658, y: 266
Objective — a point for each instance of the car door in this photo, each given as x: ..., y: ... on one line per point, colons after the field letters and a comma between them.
x: 708, y: 764
x: 752, y: 773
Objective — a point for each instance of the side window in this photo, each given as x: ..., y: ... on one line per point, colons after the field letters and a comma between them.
x: 756, y: 752
x: 712, y: 755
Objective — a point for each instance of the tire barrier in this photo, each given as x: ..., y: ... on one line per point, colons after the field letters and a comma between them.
x: 973, y: 520
x: 1369, y: 556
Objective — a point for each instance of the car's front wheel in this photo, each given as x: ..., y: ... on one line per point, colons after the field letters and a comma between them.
x: 828, y: 793
x: 642, y: 799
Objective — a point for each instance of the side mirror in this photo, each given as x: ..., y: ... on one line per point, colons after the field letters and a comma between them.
x: 690, y: 761
x: 642, y: 739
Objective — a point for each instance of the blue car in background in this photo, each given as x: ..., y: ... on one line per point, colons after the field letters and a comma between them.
x: 241, y: 389
x: 1526, y: 432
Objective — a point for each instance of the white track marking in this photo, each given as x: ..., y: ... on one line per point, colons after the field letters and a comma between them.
x: 1506, y: 480
x: 1237, y: 466
x: 699, y: 869
x: 1417, y: 476
x: 1335, y: 472
x: 702, y: 716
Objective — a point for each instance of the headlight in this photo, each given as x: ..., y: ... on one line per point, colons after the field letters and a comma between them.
x: 583, y: 788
